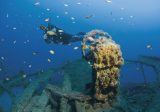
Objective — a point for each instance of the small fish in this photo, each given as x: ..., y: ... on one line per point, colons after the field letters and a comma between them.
x: 122, y: 8
x: 89, y: 62
x: 7, y: 15
x: 73, y: 22
x: 108, y: 1
x: 14, y: 42
x: 57, y: 16
x: 7, y: 78
x: 149, y: 46
x: 49, y: 60
x: 14, y: 28
x: 66, y: 5
x: 121, y: 18
x: 78, y: 3
x: 51, y: 52
x: 29, y: 66
x: 65, y: 13
x: 90, y: 16
x: 75, y: 48
x: 47, y: 19
x: 37, y: 3
x: 2, y: 58
x: 24, y: 76
x: 131, y: 16
x: 72, y: 18
x: 0, y: 69
x: 60, y: 31
x: 48, y: 9
x: 35, y: 53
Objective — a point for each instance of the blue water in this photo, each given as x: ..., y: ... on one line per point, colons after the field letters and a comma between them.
x: 132, y: 24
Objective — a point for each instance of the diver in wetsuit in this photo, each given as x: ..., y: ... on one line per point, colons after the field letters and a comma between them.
x: 53, y: 34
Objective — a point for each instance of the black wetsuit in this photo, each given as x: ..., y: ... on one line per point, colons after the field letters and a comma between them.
x: 60, y: 37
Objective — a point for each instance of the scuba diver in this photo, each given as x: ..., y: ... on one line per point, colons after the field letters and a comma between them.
x: 53, y: 34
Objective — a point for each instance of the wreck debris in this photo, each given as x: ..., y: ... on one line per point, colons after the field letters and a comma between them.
x: 21, y: 103
x: 106, y: 58
x: 63, y: 101
x: 144, y: 76
x: 151, y: 61
x: 4, y: 87
x: 67, y: 86
x: 55, y: 99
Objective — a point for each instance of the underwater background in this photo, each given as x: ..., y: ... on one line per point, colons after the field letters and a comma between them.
x: 134, y: 25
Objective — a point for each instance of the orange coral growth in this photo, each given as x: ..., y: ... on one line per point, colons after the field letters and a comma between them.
x: 106, y: 58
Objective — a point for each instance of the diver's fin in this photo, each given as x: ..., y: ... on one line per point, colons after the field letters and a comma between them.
x: 42, y: 27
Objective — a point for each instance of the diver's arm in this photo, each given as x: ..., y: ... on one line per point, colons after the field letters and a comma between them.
x: 76, y: 39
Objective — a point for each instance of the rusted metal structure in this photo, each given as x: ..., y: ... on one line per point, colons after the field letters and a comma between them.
x: 105, y: 57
